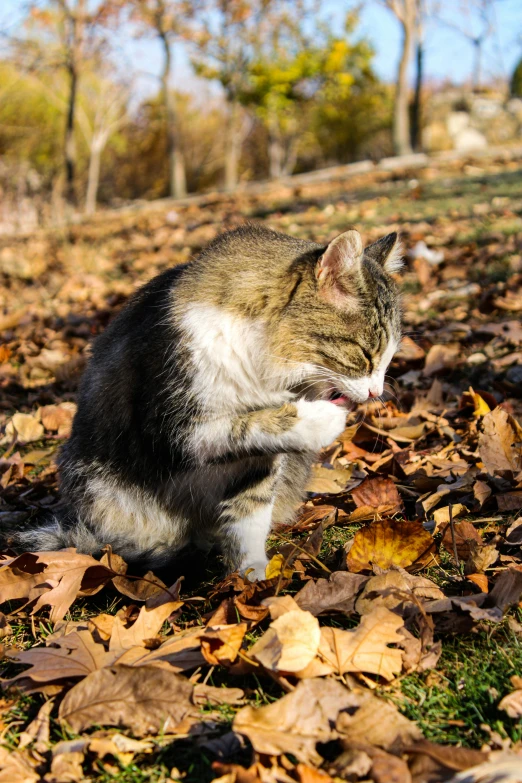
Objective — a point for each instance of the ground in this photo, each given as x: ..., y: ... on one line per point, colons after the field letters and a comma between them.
x: 430, y: 481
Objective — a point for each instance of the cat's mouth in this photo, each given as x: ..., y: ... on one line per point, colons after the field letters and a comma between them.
x: 338, y: 398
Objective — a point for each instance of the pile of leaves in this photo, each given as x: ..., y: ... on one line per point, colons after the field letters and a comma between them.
x: 405, y: 559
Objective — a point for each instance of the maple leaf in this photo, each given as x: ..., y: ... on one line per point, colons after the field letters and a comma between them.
x: 52, y: 579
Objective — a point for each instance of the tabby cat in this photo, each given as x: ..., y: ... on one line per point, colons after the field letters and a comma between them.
x: 209, y: 396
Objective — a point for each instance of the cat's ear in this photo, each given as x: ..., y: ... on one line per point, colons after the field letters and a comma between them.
x: 387, y: 251
x: 337, y: 268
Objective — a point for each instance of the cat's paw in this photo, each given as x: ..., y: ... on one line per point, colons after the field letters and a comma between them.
x: 256, y: 571
x: 319, y: 423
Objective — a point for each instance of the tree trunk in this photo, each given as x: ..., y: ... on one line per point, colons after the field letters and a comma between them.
x: 176, y: 166
x: 70, y: 143
x: 477, y: 65
x: 401, y: 120
x: 275, y: 156
x: 232, y: 147
x: 416, y: 114
x: 93, y: 179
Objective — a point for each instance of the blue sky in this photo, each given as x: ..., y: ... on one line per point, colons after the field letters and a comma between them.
x: 449, y: 55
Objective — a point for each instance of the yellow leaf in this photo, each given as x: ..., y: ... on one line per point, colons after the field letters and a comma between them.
x: 275, y: 568
x: 386, y: 543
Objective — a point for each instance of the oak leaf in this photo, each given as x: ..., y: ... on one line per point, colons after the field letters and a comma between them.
x: 387, y: 543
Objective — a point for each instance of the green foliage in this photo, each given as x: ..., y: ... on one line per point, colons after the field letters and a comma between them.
x: 30, y: 120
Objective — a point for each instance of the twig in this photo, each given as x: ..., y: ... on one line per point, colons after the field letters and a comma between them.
x: 454, y: 541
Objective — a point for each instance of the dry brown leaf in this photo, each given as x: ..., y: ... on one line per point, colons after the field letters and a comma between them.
x: 146, y: 700
x: 387, y: 543
x: 378, y: 493
x: 335, y: 594
x: 148, y: 623
x: 298, y: 721
x: 70, y: 657
x: 290, y: 643
x: 16, y: 768
x: 178, y: 653
x: 220, y: 645
x: 52, y: 579
x: 397, y: 590
x: 139, y: 589
x: 512, y: 704
x: 26, y: 427
x: 58, y: 418
x: 500, y: 442
x: 38, y: 731
x: 480, y: 580
x: 326, y: 481
x: 442, y: 515
x: 376, y: 722
x: 480, y: 558
x: 467, y: 538
x: 441, y: 357
x: 362, y: 650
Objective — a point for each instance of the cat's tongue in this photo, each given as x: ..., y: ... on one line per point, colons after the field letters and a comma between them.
x: 342, y: 400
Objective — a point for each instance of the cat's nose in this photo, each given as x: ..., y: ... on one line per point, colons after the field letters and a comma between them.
x: 373, y: 393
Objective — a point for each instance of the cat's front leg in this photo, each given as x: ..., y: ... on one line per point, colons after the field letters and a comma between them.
x: 301, y: 427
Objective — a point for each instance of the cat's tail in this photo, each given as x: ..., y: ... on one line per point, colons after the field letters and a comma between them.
x: 48, y: 531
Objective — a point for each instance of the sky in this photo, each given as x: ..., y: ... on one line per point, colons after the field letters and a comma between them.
x: 448, y: 53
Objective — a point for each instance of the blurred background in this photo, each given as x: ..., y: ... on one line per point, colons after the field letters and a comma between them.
x: 104, y: 102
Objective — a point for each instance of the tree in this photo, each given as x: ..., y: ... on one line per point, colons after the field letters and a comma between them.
x: 168, y: 21
x: 475, y: 21
x: 515, y: 86
x: 102, y: 111
x: 406, y: 12
x: 231, y: 31
x: 294, y: 74
x: 69, y: 35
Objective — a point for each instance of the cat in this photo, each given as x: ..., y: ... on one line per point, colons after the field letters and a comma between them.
x: 210, y: 394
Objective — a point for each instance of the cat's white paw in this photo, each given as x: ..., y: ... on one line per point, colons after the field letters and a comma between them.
x: 255, y: 571
x: 319, y: 423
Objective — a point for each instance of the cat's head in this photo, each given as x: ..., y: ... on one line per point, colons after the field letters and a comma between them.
x: 347, y: 323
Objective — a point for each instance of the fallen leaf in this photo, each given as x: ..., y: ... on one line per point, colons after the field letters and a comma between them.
x: 51, y: 579
x: 276, y: 567
x: 38, y: 731
x: 467, y: 538
x: 58, y: 418
x: 16, y: 768
x: 146, y: 700
x: 441, y: 357
x: 71, y: 657
x: 379, y: 494
x: 385, y: 543
x: 25, y: 427
x: 376, y: 722
x: 298, y: 721
x: 500, y: 442
x: 397, y: 590
x: 512, y: 704
x: 335, y: 594
x: 361, y: 650
x: 149, y: 621
x: 290, y: 643
x: 220, y: 645
x: 442, y: 515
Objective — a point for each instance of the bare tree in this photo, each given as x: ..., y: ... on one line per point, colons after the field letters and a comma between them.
x: 168, y: 21
x: 476, y: 24
x: 101, y: 113
x: 70, y: 34
x: 405, y: 12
